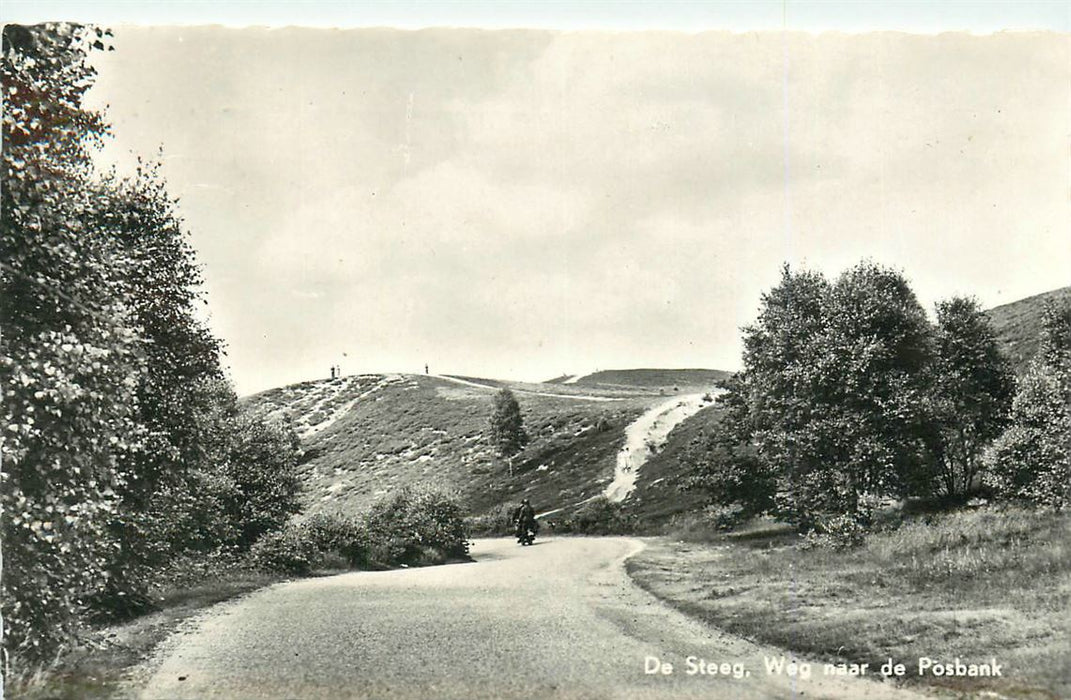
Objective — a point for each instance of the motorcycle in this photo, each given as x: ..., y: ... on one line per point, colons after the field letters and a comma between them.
x: 526, y: 533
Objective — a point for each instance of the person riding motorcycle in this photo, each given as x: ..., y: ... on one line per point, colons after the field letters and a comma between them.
x: 524, y: 518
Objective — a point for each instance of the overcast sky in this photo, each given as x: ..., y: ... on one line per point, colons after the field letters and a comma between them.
x: 525, y: 204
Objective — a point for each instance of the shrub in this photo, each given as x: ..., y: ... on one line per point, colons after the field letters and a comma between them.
x: 289, y: 551
x: 337, y: 538
x: 837, y: 532
x: 598, y: 516
x: 1032, y: 459
x: 497, y: 523
x: 416, y: 527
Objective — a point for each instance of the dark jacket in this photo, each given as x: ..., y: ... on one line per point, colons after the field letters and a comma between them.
x: 524, y: 515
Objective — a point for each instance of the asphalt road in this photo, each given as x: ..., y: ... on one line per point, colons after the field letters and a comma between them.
x: 556, y: 620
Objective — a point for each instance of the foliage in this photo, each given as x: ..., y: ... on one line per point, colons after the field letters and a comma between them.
x: 837, y: 532
x: 599, y: 516
x: 970, y: 397
x: 726, y: 467
x: 834, y: 388
x: 1032, y: 459
x: 262, y: 460
x: 849, y: 396
x: 287, y: 551
x: 414, y: 526
x: 123, y: 446
x: 70, y: 350
x: 318, y: 542
x: 507, y: 425
x: 408, y: 527
x: 497, y: 523
x: 338, y: 538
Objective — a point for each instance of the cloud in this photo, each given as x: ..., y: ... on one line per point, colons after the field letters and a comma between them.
x: 528, y: 203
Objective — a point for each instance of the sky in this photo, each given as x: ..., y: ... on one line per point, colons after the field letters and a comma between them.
x: 522, y: 204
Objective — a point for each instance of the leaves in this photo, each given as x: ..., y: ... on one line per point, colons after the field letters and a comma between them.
x: 507, y: 425
x: 122, y: 441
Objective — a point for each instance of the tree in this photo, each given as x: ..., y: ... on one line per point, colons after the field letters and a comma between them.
x: 507, y: 426
x: 724, y: 464
x: 262, y: 465
x: 878, y: 350
x: 181, y: 384
x: 69, y: 349
x: 123, y: 444
x: 971, y: 395
x: 1032, y: 459
x: 834, y: 390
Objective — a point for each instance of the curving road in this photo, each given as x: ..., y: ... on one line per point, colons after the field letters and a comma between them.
x: 557, y: 620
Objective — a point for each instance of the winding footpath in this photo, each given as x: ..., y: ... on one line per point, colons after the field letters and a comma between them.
x: 646, y: 436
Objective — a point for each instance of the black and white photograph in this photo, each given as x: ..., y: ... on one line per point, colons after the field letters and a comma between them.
x: 523, y: 351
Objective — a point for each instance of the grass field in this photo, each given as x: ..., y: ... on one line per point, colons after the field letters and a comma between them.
x: 365, y: 435
x: 974, y: 585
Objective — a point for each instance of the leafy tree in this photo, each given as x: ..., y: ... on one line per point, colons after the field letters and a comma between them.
x: 971, y: 395
x: 725, y: 465
x: 783, y: 393
x: 878, y: 350
x: 262, y: 465
x: 507, y: 425
x: 833, y: 392
x: 69, y: 349
x: 1032, y: 459
x: 123, y: 443
x: 180, y: 384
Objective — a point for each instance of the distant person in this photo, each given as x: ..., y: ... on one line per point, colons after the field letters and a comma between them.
x: 524, y: 518
x: 425, y: 368
x: 332, y: 371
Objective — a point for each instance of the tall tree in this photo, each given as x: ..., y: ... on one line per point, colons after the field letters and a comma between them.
x: 970, y: 397
x: 833, y: 381
x: 507, y: 425
x: 69, y: 350
x: 783, y: 390
x: 181, y: 382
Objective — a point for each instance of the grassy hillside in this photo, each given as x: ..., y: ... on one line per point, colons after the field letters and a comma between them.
x: 664, y: 379
x: 657, y: 497
x: 1018, y: 324
x: 367, y: 434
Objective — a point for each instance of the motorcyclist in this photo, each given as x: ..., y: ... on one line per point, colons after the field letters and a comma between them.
x: 524, y: 518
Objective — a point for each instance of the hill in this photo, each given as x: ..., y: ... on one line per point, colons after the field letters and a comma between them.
x: 366, y: 434
x: 666, y: 379
x: 1018, y: 324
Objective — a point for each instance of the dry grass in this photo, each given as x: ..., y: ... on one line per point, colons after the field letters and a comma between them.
x: 386, y: 432
x: 972, y: 584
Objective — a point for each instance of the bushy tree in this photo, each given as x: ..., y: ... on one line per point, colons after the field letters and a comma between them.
x: 123, y: 446
x: 507, y: 426
x: 833, y: 389
x: 724, y: 464
x: 69, y: 348
x: 971, y: 396
x: 262, y: 465
x: 174, y: 473
x: 1032, y: 459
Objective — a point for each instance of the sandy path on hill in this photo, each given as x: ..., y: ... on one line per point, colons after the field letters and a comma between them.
x: 646, y: 436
